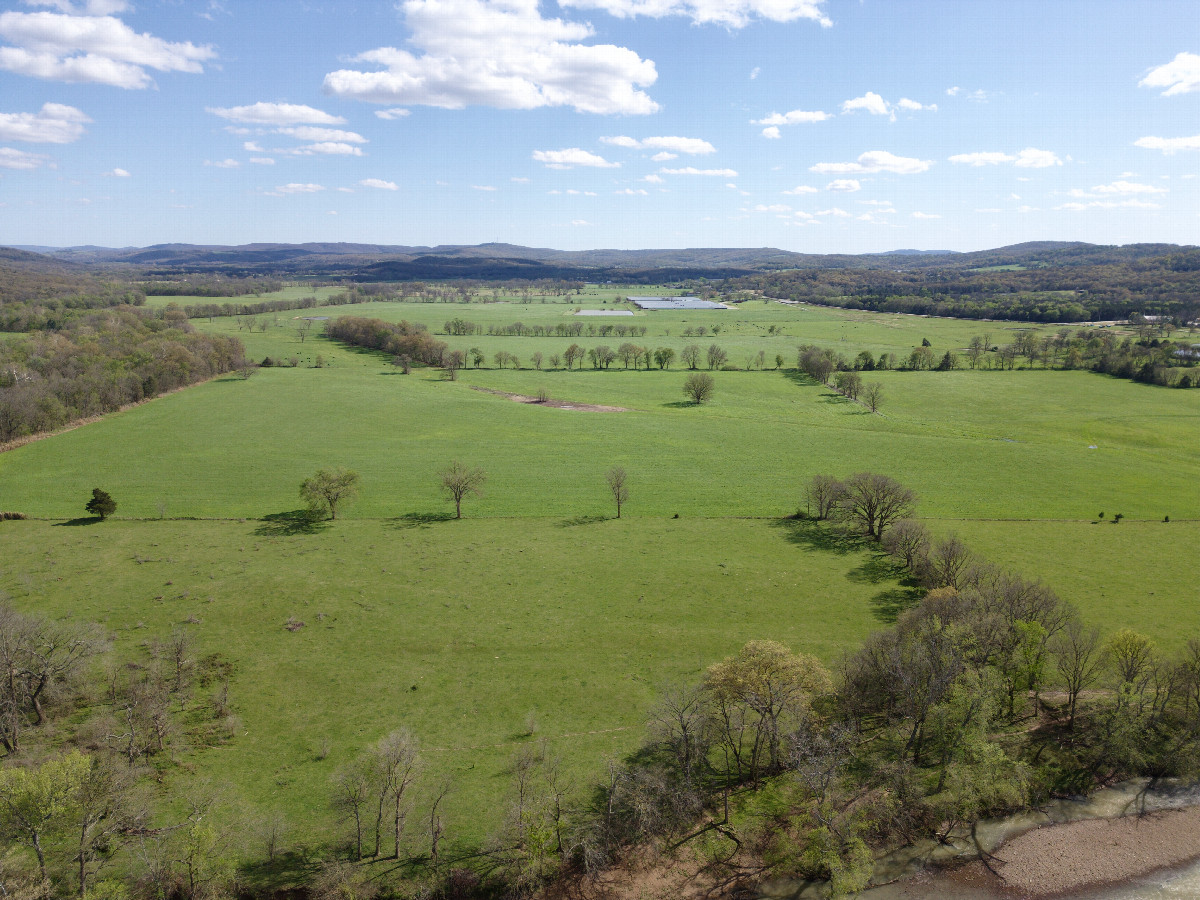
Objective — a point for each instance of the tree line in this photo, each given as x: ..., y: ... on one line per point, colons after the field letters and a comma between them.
x: 99, y: 362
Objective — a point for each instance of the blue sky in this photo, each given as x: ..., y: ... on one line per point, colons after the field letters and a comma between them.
x: 811, y: 125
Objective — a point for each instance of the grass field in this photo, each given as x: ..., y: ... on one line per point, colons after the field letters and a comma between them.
x: 538, y: 602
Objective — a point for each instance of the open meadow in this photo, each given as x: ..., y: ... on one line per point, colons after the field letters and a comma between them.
x: 539, y: 615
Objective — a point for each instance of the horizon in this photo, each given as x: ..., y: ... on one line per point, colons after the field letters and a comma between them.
x: 812, y: 126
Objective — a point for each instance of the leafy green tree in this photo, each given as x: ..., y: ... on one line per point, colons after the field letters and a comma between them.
x: 102, y: 504
x: 35, y: 801
x: 328, y: 489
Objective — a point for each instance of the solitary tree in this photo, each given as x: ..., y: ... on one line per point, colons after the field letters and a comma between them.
x: 324, y: 491
x: 699, y: 387
x: 102, y: 504
x: 616, y: 479
x: 458, y: 482
x: 875, y: 501
x: 872, y: 394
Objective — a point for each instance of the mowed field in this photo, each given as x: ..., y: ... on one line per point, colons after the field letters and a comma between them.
x: 539, y: 603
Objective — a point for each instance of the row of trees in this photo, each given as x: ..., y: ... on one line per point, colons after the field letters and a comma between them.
x: 460, y: 327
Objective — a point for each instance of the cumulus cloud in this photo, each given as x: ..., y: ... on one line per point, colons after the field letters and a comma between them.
x: 295, y: 188
x: 1169, y: 145
x: 795, y: 117
x: 276, y: 114
x: 572, y: 157
x: 223, y: 163
x: 118, y: 173
x: 311, y: 133
x: 836, y: 212
x: 325, y: 148
x: 53, y: 124
x: 730, y: 13
x: 983, y: 158
x: 653, y: 179
x: 914, y: 106
x: 1180, y: 76
x: 502, y: 54
x: 1128, y: 187
x: 262, y: 160
x: 392, y: 114
x: 692, y: 170
x: 379, y: 184
x: 11, y: 158
x: 923, y: 215
x: 1031, y: 158
x: 633, y: 192
x: 252, y: 147
x: 691, y: 146
x: 773, y: 207
x: 871, y: 102
x: 802, y: 189
x: 875, y: 161
x: 87, y: 45
x: 664, y: 156
x: 483, y: 187
x: 1131, y: 203
x: 979, y: 95
x: 845, y: 185
x: 772, y: 132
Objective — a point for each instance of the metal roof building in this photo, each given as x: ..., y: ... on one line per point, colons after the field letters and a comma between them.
x: 674, y: 303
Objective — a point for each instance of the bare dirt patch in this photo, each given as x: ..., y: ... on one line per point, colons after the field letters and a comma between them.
x: 550, y: 401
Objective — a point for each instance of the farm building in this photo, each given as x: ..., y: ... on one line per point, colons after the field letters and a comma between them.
x: 674, y: 303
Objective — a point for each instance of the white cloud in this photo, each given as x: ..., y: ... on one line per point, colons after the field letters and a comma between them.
x: 878, y: 203
x: 845, y: 185
x: 914, y: 106
x: 730, y: 13
x: 379, y: 184
x: 398, y: 112
x: 1128, y: 187
x: 580, y: 222
x: 345, y: 190
x: 501, y: 54
x: 653, y: 179
x: 262, y: 160
x: 802, y: 189
x: 871, y: 102
x: 325, y: 148
x: 1031, y: 158
x: 875, y: 161
x: 692, y: 170
x: 1131, y: 203
x: 632, y: 192
x: 483, y: 187
x: 90, y: 46
x: 674, y: 145
x: 983, y: 158
x: 922, y: 215
x: 1180, y: 76
x: 252, y: 147
x: 11, y: 158
x: 772, y: 132
x: 664, y: 156
x: 1169, y: 145
x: 223, y: 163
x: 571, y: 157
x: 118, y: 173
x: 953, y: 91
x: 754, y: 72
x: 519, y: 179
x: 835, y: 211
x: 277, y: 114
x: 295, y: 188
x: 773, y: 207
x: 795, y: 117
x: 311, y: 133
x: 53, y: 124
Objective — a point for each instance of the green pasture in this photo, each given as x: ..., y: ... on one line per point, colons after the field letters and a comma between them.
x: 539, y: 602
x: 458, y: 630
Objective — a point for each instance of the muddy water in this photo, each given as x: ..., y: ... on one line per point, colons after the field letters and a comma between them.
x: 894, y: 872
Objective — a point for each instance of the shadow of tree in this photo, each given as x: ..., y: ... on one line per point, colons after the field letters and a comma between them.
x: 681, y: 404
x: 822, y: 536
x: 888, y: 605
x: 582, y: 520
x: 419, y: 519
x: 294, y: 521
x: 82, y: 520
x: 876, y: 570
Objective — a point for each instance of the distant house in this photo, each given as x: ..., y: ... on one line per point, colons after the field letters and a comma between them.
x: 674, y: 303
